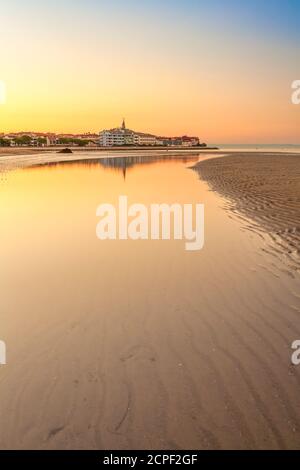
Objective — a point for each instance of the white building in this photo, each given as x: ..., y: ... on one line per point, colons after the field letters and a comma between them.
x: 122, y: 136
x: 51, y: 140
x: 117, y: 137
x: 146, y: 139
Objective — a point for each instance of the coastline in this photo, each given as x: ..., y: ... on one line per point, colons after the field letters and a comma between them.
x: 264, y: 189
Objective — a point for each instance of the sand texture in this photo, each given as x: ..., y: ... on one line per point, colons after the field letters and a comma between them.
x: 264, y: 188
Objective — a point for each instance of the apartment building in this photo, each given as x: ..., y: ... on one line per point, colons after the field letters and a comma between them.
x: 122, y: 136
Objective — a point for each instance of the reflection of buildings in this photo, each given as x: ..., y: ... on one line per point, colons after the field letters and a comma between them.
x: 120, y: 164
x: 122, y: 136
x: 125, y: 163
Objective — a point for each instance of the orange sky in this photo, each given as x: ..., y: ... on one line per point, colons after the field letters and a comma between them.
x: 169, y: 77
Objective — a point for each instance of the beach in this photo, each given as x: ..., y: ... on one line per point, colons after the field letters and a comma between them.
x: 125, y: 344
x: 149, y: 231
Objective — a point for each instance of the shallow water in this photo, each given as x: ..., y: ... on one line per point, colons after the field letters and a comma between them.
x: 140, y: 344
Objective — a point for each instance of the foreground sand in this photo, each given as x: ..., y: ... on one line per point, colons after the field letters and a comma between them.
x: 140, y: 344
x: 264, y: 188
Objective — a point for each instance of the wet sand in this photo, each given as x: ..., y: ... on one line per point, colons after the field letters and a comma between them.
x: 264, y: 188
x: 137, y: 344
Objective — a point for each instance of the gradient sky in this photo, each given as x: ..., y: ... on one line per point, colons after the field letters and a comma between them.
x: 221, y: 70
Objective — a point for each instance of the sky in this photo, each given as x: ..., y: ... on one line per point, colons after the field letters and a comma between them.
x: 221, y: 70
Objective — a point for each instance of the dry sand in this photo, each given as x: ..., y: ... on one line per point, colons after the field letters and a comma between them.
x: 264, y: 188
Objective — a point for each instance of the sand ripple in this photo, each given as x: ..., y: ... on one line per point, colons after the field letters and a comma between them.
x: 264, y: 188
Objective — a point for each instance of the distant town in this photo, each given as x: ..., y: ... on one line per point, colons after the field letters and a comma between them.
x: 116, y: 137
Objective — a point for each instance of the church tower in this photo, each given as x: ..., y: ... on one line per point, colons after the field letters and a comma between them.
x: 123, y: 124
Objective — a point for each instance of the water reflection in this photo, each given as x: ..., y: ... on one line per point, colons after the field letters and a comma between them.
x: 115, y: 342
x: 122, y: 164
